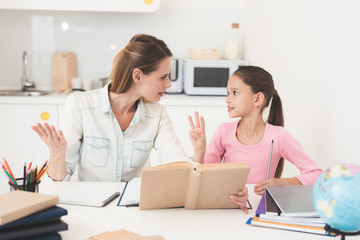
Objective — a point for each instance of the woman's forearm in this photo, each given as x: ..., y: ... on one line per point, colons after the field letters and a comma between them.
x: 57, y: 167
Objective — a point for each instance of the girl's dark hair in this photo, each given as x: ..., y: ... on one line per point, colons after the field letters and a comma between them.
x: 144, y: 52
x: 260, y: 80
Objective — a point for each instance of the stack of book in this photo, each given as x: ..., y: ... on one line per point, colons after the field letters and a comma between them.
x: 28, y: 215
x: 289, y: 208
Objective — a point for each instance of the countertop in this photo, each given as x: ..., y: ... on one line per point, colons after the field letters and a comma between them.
x: 168, y: 100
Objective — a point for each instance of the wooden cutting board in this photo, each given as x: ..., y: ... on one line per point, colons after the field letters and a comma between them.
x: 63, y: 69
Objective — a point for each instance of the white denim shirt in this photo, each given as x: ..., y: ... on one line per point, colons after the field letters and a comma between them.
x: 101, y: 151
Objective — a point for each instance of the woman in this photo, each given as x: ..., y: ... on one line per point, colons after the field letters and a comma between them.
x: 108, y: 133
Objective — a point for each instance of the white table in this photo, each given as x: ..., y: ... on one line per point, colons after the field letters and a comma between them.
x: 172, y: 224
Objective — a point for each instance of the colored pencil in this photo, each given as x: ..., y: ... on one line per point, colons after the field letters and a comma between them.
x: 29, y: 168
x: 8, y: 168
x: 35, y: 175
x: 39, y: 177
x: 9, y: 176
x: 42, y: 166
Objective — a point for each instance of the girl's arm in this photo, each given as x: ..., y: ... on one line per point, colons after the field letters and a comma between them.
x: 260, y: 187
x: 292, y: 151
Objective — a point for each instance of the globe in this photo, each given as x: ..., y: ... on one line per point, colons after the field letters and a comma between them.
x: 336, y: 197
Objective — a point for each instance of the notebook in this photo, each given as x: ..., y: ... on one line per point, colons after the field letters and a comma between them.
x: 34, y: 230
x: 131, y: 193
x: 290, y: 200
x: 83, y: 194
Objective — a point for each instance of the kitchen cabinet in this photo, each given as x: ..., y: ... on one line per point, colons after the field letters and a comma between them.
x: 18, y: 142
x: 83, y: 5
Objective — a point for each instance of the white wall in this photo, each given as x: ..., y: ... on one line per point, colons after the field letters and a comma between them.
x: 312, y: 49
x: 97, y: 37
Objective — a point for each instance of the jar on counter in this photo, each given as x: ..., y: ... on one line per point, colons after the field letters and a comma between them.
x: 232, y: 43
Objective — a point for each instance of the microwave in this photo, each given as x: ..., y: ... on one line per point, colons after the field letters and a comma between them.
x: 208, y: 77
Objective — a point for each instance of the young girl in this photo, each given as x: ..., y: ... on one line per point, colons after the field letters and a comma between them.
x: 250, y: 139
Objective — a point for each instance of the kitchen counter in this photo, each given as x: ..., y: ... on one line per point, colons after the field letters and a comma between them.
x: 167, y: 100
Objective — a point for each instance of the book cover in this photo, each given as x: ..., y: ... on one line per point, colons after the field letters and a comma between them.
x: 18, y: 204
x: 33, y: 230
x: 183, y: 184
x: 291, y: 200
x: 44, y: 215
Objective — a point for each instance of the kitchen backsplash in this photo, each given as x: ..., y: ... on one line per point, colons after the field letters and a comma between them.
x: 95, y: 38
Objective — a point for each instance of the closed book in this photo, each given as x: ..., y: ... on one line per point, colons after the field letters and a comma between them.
x: 286, y: 226
x: 33, y: 230
x: 50, y: 236
x: 49, y: 214
x: 184, y: 184
x: 18, y: 204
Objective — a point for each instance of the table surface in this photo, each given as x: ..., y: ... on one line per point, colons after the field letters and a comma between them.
x: 174, y: 223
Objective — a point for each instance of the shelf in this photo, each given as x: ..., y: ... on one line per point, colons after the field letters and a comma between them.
x: 83, y: 5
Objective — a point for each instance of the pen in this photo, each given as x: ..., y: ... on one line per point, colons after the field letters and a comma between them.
x: 271, y: 150
x: 112, y: 197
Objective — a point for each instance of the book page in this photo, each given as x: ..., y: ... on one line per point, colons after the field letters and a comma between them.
x: 173, y: 165
x: 214, y: 166
x: 131, y: 193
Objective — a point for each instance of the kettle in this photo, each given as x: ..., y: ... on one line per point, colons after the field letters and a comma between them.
x: 176, y: 76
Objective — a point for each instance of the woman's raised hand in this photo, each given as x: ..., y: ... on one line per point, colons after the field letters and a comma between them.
x: 57, y: 148
x: 54, y: 140
x: 198, y: 137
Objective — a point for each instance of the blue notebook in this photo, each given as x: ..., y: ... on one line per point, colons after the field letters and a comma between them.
x: 33, y: 230
x: 49, y: 214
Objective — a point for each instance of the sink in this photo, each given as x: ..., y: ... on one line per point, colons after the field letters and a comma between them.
x: 24, y: 93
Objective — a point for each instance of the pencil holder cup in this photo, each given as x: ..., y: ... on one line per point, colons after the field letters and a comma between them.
x: 32, y: 187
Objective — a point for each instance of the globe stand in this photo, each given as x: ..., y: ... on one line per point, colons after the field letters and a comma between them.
x: 339, y: 232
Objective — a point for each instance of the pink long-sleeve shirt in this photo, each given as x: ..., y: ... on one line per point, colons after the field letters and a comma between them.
x: 224, y: 145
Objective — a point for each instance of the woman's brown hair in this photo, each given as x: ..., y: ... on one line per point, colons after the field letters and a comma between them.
x: 260, y: 80
x: 144, y: 52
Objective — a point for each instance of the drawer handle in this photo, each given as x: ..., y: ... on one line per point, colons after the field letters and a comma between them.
x: 45, y: 116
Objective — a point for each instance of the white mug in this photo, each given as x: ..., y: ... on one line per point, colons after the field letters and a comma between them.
x: 76, y: 83
x: 87, y: 84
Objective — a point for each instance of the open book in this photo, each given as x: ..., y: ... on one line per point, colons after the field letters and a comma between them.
x: 184, y: 184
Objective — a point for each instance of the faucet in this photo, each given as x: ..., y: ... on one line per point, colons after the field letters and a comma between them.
x: 24, y: 80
